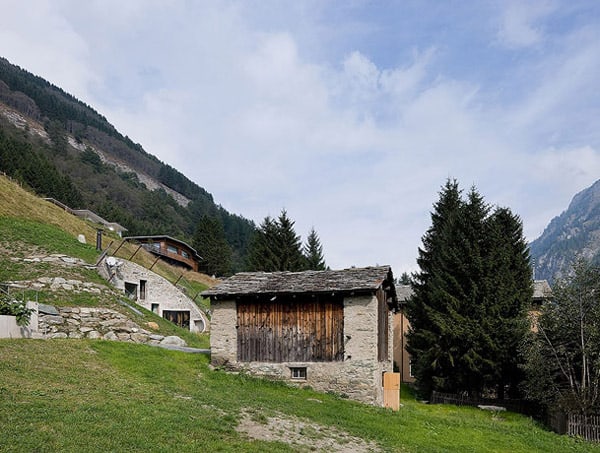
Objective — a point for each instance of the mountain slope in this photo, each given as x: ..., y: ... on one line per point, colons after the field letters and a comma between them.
x: 574, y: 233
x: 63, y: 148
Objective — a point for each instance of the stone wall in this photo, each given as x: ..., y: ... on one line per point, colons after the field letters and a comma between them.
x: 158, y: 294
x: 358, y: 376
x: 223, y: 338
x: 93, y: 323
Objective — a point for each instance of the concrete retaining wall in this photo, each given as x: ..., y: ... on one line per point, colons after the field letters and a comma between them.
x: 10, y: 329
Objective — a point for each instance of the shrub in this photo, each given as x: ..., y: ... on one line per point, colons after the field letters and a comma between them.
x: 14, y: 308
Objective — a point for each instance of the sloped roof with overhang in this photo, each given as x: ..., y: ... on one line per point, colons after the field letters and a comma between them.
x: 346, y: 281
x: 161, y: 237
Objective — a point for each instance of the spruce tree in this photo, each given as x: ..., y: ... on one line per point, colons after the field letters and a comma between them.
x: 429, y: 341
x: 467, y: 312
x: 262, y: 251
x: 289, y: 245
x: 510, y: 294
x: 276, y: 246
x: 313, y: 252
x: 210, y: 243
x: 404, y: 279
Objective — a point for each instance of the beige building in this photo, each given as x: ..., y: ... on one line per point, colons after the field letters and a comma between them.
x: 401, y: 326
x: 330, y: 330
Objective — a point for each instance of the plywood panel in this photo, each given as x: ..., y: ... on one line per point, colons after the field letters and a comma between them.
x: 391, y: 390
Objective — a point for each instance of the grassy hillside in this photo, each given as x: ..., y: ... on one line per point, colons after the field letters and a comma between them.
x: 18, y: 203
x: 83, y: 395
x: 30, y: 226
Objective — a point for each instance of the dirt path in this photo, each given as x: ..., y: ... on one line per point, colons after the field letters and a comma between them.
x: 302, y: 434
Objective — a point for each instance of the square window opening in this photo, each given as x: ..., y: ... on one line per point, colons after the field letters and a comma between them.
x: 298, y: 373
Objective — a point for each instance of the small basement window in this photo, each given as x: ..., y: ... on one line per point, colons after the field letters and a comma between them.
x: 299, y: 373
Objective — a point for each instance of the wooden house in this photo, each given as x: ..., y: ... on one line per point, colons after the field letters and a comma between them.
x: 330, y: 330
x: 169, y: 249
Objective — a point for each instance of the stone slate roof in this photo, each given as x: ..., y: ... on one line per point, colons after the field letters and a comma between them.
x: 367, y: 279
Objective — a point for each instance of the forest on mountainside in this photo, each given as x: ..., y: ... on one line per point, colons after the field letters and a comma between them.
x: 80, y: 177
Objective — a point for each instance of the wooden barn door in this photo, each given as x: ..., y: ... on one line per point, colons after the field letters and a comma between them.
x: 290, y: 330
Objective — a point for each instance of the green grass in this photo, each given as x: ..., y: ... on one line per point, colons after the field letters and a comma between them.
x: 48, y: 238
x: 78, y: 395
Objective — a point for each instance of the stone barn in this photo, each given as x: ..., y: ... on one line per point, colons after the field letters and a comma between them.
x: 330, y: 330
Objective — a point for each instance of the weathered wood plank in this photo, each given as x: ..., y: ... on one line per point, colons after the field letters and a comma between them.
x: 290, y: 330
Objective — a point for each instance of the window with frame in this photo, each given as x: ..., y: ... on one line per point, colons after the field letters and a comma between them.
x: 298, y: 373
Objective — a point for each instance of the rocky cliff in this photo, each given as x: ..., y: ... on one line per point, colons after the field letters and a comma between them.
x: 574, y: 233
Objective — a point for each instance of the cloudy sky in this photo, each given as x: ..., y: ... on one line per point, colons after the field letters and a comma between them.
x: 349, y: 114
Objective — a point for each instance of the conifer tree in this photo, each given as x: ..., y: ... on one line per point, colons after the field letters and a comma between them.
x: 313, y: 252
x: 210, y: 243
x: 469, y: 297
x: 289, y: 245
x: 404, y: 279
x: 510, y: 294
x: 276, y: 246
x: 429, y: 341
x: 262, y: 253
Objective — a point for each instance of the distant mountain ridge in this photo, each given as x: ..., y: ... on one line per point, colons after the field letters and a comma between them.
x: 64, y: 149
x: 574, y: 233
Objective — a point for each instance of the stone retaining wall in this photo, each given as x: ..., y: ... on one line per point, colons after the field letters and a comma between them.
x: 57, y: 284
x: 94, y: 323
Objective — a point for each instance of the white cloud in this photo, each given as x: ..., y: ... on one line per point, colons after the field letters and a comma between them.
x: 357, y: 149
x: 518, y: 28
x: 37, y: 36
